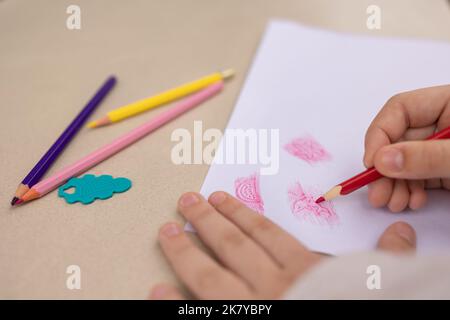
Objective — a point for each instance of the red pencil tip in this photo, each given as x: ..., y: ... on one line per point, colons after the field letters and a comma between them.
x: 19, y: 201
x: 321, y: 199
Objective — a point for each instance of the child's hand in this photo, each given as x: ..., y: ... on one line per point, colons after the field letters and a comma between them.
x: 413, y: 115
x: 252, y: 258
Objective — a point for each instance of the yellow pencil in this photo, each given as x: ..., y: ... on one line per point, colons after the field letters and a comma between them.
x: 160, y: 99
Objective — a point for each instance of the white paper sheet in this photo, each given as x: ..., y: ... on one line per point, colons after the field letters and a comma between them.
x: 329, y: 86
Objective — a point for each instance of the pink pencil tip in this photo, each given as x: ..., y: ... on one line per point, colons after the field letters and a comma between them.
x: 321, y: 199
x: 18, y: 202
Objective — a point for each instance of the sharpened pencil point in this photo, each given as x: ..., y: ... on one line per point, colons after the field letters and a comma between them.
x: 99, y: 123
x: 14, y: 200
x: 321, y: 199
x: 19, y: 201
x: 228, y: 73
x: 92, y: 124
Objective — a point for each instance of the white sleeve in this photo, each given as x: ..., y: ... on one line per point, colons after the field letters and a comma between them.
x: 398, y: 277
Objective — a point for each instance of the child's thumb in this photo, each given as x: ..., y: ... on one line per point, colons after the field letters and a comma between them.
x: 415, y: 160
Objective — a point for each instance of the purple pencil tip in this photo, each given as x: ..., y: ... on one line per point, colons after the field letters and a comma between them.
x: 14, y: 200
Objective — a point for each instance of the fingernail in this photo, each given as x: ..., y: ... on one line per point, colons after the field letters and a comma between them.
x: 158, y: 292
x: 170, y: 230
x: 393, y: 159
x: 217, y: 198
x: 406, y: 233
x: 188, y: 200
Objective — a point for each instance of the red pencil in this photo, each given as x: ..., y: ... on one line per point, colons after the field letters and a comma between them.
x: 368, y: 176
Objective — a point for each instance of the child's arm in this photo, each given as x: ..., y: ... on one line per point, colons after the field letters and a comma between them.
x: 413, y: 165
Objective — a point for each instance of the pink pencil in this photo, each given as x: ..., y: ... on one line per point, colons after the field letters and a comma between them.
x: 51, y: 183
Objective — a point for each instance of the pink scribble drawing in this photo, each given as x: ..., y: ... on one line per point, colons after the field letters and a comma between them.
x: 247, y: 191
x: 307, y: 149
x: 303, y: 206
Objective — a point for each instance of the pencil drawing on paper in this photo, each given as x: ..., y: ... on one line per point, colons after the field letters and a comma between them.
x: 303, y: 206
x: 307, y: 149
x: 247, y: 191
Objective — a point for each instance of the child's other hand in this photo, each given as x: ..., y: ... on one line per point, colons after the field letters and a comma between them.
x: 251, y: 257
x: 412, y: 166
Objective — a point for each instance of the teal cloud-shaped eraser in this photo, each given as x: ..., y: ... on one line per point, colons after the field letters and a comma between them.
x: 89, y: 187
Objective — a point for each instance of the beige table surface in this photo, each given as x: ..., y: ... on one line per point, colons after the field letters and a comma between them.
x: 48, y: 72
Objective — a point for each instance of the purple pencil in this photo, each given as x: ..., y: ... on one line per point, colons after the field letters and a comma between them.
x: 56, y: 149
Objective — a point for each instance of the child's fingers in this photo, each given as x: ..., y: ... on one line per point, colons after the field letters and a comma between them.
x: 278, y: 243
x: 419, y: 133
x: 234, y: 248
x: 446, y: 183
x: 397, y: 194
x: 414, y: 109
x: 399, y: 237
x: 202, y: 275
x: 433, y: 183
x: 418, y: 196
x: 414, y: 160
x: 375, y: 139
x: 400, y: 196
x: 166, y: 292
x: 380, y: 192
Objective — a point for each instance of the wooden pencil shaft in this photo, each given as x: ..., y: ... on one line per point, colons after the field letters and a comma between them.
x: 115, y: 146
